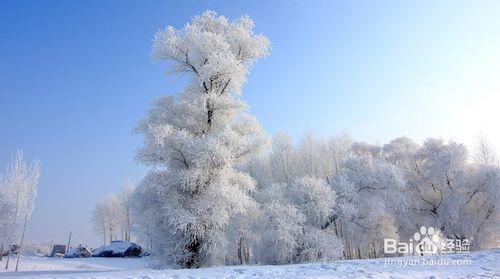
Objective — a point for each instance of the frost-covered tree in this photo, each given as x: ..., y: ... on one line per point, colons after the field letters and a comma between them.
x: 7, y: 217
x: 338, y: 149
x: 400, y: 152
x: 319, y: 158
x: 282, y: 227
x: 478, y: 216
x: 436, y: 180
x: 485, y: 153
x: 126, y: 206
x: 196, y: 143
x: 108, y: 217
x: 314, y: 198
x: 446, y: 191
x: 282, y: 159
x: 369, y: 197
x: 112, y: 216
x: 312, y: 156
x: 18, y: 190
x: 390, y: 190
x: 294, y: 222
x: 99, y: 220
x: 243, y: 237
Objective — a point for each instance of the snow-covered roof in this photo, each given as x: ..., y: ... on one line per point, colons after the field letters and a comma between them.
x: 78, y: 251
x: 116, y: 247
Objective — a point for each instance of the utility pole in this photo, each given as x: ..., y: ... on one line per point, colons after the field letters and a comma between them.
x: 51, y: 247
x: 69, y: 242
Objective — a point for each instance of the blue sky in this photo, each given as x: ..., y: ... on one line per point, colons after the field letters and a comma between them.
x: 77, y: 76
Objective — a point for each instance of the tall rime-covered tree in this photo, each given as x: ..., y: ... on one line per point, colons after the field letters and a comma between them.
x: 197, y: 142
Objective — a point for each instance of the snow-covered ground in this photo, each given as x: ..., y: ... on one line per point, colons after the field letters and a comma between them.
x: 484, y: 264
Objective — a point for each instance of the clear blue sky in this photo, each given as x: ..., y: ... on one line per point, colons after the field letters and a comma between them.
x: 76, y: 77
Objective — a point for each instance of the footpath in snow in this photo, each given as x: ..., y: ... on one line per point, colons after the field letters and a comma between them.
x: 484, y: 264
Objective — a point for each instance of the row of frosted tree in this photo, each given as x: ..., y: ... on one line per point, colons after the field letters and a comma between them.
x: 221, y: 192
x: 112, y: 216
x: 377, y: 192
x: 18, y: 189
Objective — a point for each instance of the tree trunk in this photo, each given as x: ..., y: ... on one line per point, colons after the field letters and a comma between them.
x: 110, y: 234
x: 104, y: 232
x: 240, y: 251
x: 22, y: 240
x: 8, y: 257
x: 210, y: 114
x: 194, y: 249
x: 247, y: 254
x: 128, y: 225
